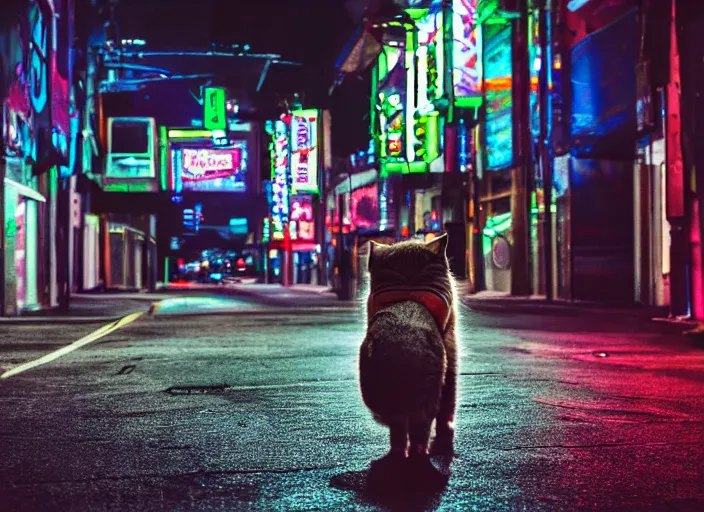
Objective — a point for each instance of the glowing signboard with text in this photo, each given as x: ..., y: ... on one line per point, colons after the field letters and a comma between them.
x: 302, y: 216
x: 281, y: 156
x: 304, y: 151
x: 466, y: 44
x: 221, y: 169
x: 499, y: 107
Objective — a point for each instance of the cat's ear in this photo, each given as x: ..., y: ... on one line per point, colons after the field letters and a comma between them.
x: 374, y: 247
x: 438, y: 245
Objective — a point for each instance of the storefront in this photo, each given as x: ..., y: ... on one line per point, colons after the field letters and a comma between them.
x: 306, y: 253
x: 292, y: 235
x: 21, y: 247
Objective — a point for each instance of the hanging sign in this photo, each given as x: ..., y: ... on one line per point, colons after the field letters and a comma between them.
x: 304, y: 151
x: 214, y: 104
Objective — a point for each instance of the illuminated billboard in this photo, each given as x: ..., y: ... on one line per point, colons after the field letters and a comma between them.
x: 304, y: 151
x: 430, y: 82
x: 364, y: 207
x: 391, y: 103
x: 431, y: 56
x: 214, y: 170
x: 499, y: 107
x: 302, y: 219
x: 280, y: 158
x: 466, y: 58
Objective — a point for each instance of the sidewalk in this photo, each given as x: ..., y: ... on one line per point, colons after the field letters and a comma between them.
x: 491, y: 301
x: 91, y: 308
x: 299, y: 295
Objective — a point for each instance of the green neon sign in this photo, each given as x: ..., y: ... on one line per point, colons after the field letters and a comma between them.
x: 190, y: 134
x: 164, y: 158
x: 214, y: 109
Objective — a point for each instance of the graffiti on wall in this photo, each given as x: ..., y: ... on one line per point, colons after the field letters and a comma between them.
x: 38, y: 59
x: 18, y: 122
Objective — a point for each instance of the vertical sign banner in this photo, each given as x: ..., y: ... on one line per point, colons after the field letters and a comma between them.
x: 214, y: 105
x: 304, y: 151
x: 466, y: 61
x: 39, y: 75
x: 279, y: 186
x: 499, y: 107
x: 390, y: 104
x: 430, y: 57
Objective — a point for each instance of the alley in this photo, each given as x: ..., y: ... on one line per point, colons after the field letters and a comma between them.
x: 263, y: 412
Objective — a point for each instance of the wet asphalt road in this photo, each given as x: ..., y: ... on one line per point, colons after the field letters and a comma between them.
x: 263, y: 412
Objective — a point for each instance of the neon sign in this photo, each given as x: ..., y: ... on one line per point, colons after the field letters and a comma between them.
x: 364, y: 204
x: 466, y: 41
x: 302, y: 215
x: 392, y: 125
x: 499, y: 107
x: 214, y: 109
x: 430, y: 58
x: 208, y: 164
x: 304, y: 151
x: 211, y: 170
x: 279, y: 186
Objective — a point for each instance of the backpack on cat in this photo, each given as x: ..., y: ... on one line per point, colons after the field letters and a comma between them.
x: 408, y: 359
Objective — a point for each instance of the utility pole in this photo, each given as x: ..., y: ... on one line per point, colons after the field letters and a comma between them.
x: 520, y: 216
x: 546, y: 160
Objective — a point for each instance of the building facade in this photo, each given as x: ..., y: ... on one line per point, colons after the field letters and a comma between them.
x: 557, y: 160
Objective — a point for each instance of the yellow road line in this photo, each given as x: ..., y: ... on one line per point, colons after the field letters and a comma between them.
x: 90, y: 338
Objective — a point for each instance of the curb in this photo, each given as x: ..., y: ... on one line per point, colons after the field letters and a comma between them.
x: 126, y: 297
x: 558, y: 308
x: 256, y: 312
x: 51, y: 320
x: 284, y: 303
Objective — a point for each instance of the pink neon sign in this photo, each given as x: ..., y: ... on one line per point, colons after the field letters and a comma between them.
x: 209, y: 164
x: 302, y: 215
x: 466, y: 73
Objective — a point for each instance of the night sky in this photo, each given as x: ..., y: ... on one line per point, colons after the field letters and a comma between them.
x: 312, y: 32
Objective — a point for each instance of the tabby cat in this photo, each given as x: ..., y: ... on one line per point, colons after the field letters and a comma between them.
x: 408, y: 359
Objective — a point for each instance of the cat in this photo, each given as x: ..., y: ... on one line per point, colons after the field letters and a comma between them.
x: 408, y: 359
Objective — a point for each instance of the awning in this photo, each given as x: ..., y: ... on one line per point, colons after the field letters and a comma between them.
x: 356, y: 180
x: 25, y: 190
x: 359, y: 53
